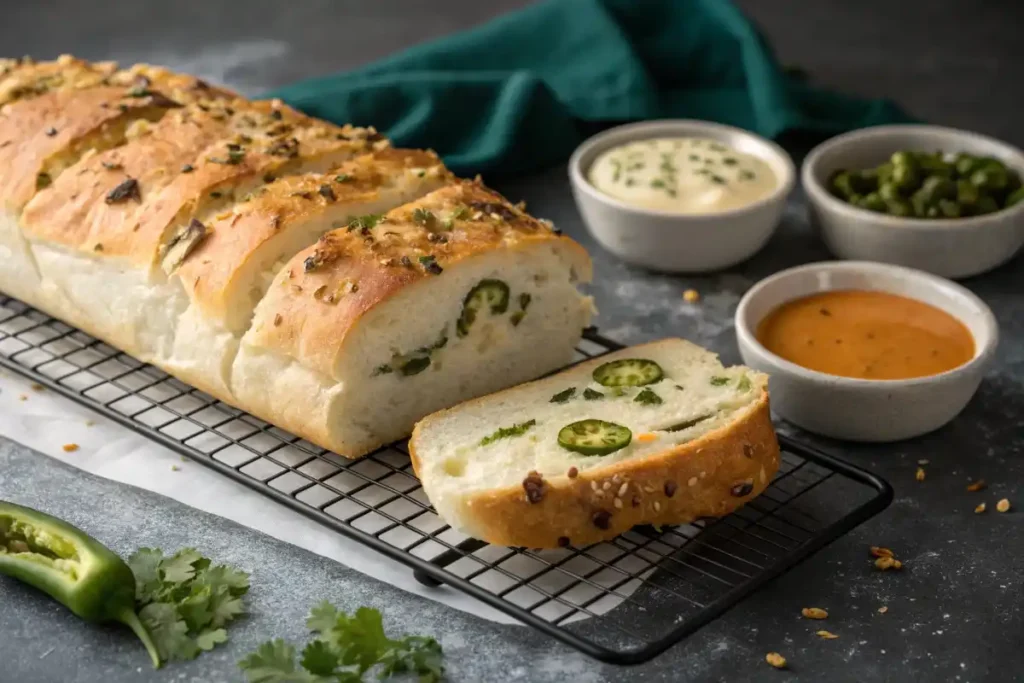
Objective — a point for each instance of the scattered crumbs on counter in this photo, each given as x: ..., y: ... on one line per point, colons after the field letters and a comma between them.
x: 37, y: 387
x: 919, y: 475
x: 814, y: 613
x: 70, y: 447
x: 976, y: 485
x: 23, y: 397
x: 183, y: 458
x: 90, y: 423
x: 879, y: 551
x: 691, y: 296
x: 979, y: 509
x: 888, y: 562
x: 883, y: 609
x: 174, y: 468
x: 776, y: 660
x: 826, y: 635
x: 1003, y: 505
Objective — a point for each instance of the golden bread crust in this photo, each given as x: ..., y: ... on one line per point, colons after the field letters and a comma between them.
x: 234, y: 237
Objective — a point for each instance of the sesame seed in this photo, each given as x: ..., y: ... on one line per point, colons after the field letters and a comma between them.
x: 623, y: 489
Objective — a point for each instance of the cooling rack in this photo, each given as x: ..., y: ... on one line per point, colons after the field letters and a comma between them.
x: 623, y: 601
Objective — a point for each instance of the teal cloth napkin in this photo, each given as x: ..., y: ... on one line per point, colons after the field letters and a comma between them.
x: 519, y: 93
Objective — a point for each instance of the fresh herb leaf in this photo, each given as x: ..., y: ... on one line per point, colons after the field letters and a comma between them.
x: 647, y: 397
x: 591, y: 395
x: 207, y: 640
x: 342, y: 177
x: 719, y: 381
x: 319, y: 658
x: 273, y: 662
x: 423, y: 217
x: 744, y: 384
x: 178, y: 568
x: 185, y: 600
x: 508, y: 432
x: 145, y: 564
x: 564, y: 396
x: 431, y: 265
x: 169, y: 631
x: 365, y: 222
x: 346, y: 647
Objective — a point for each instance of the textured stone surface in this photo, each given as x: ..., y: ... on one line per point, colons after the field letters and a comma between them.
x: 954, y: 614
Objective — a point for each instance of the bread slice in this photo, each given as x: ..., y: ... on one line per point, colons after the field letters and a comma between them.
x: 361, y: 331
x: 702, y: 445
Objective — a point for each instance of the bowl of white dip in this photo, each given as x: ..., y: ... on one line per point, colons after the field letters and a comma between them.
x: 681, y: 196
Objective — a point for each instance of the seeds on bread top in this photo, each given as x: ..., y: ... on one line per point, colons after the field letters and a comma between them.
x: 235, y: 236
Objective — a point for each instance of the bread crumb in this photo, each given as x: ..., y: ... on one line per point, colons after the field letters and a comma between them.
x: 691, y: 296
x: 814, y: 613
x: 646, y: 437
x: 70, y: 447
x: 878, y: 551
x: 886, y: 563
x: 776, y: 660
x: 1003, y: 505
x: 37, y: 387
x: 920, y: 474
x: 976, y: 485
x: 883, y: 609
x: 826, y: 635
x: 979, y: 509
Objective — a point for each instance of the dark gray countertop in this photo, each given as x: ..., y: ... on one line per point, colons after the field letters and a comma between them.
x: 955, y: 614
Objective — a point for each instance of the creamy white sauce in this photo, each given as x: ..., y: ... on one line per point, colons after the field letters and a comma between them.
x: 682, y: 175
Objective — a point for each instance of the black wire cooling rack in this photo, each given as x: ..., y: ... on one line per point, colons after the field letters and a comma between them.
x: 623, y: 601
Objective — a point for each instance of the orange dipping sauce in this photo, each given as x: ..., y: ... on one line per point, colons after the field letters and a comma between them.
x: 867, y: 335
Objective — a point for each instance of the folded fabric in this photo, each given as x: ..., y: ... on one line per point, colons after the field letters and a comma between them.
x: 516, y: 94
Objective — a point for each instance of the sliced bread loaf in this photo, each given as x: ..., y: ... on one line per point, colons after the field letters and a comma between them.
x: 660, y: 433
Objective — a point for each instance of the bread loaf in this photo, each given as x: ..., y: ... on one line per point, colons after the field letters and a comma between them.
x: 655, y: 434
x: 305, y: 272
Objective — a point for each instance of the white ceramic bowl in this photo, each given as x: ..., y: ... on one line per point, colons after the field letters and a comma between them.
x: 956, y: 248
x: 859, y: 409
x: 671, y: 242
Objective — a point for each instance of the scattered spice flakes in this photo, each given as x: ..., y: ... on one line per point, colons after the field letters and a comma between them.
x: 977, y: 485
x: 691, y: 296
x: 814, y: 613
x: 1003, y: 505
x: 883, y: 609
x: 919, y: 475
x: 826, y: 635
x: 70, y: 447
x: 776, y: 660
x: 979, y: 509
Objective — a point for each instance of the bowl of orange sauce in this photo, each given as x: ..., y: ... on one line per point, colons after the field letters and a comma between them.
x: 866, y: 351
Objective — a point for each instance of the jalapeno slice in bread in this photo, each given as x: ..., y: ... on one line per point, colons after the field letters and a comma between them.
x: 489, y: 294
x: 594, y: 437
x: 628, y: 372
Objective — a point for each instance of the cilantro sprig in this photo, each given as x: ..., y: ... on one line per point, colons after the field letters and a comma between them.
x: 346, y: 648
x: 185, y: 601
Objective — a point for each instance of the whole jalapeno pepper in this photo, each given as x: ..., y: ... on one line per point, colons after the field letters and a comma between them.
x: 71, y: 567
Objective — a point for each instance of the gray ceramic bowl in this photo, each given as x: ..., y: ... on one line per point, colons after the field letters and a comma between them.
x: 862, y: 409
x: 673, y: 242
x: 954, y: 248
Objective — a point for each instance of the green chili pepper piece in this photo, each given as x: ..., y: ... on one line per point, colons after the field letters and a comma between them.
x: 73, y: 568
